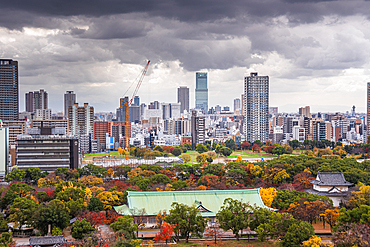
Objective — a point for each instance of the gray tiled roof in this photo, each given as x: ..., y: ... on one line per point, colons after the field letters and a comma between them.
x: 330, y: 179
x: 49, y: 240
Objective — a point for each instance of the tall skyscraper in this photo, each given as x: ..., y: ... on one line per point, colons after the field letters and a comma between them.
x: 69, y: 100
x: 201, y: 91
x: 9, y: 102
x: 29, y: 102
x: 236, y: 104
x: 136, y: 101
x: 81, y: 120
x: 368, y: 110
x: 183, y: 98
x: 40, y: 100
x: 121, y: 111
x: 256, y: 114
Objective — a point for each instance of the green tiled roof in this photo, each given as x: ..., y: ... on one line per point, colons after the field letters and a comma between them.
x: 212, y: 200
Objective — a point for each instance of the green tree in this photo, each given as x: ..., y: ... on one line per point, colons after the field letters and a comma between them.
x: 6, y: 239
x: 81, y: 228
x: 143, y: 184
x: 225, y: 151
x: 279, y: 151
x: 22, y: 211
x: 298, y: 232
x: 95, y: 205
x: 230, y: 143
x: 259, y: 216
x: 160, y: 179
x: 276, y: 227
x: 15, y: 175
x: 54, y: 213
x: 33, y: 175
x: 176, y: 151
x: 92, y: 170
x: 16, y: 190
x: 186, y: 220
x: 125, y: 225
x: 201, y: 148
x: 201, y: 158
x: 234, y: 215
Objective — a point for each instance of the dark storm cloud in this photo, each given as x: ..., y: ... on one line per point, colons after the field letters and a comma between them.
x: 16, y: 14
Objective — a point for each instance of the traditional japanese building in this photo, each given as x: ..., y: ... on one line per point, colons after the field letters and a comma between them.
x: 332, y: 185
x: 208, y: 202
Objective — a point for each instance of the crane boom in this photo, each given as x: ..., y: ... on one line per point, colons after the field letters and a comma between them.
x: 127, y: 106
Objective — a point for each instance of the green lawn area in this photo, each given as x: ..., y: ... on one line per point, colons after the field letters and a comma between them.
x: 111, y: 153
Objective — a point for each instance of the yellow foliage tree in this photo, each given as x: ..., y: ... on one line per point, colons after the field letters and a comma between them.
x: 315, y: 241
x: 256, y: 170
x: 109, y: 173
x: 360, y: 197
x: 268, y: 195
x: 120, y: 150
x: 238, y: 159
x: 95, y: 190
x: 134, y: 172
x: 49, y: 182
x: 90, y: 180
x: 186, y: 158
x: 110, y: 199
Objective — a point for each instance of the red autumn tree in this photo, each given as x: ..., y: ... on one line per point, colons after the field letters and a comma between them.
x: 111, y: 216
x: 94, y: 218
x: 246, y: 145
x: 256, y: 148
x: 165, y: 233
x: 214, y: 233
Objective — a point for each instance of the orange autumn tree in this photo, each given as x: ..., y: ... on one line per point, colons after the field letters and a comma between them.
x: 331, y: 216
x: 165, y: 233
x: 268, y: 195
x: 214, y: 233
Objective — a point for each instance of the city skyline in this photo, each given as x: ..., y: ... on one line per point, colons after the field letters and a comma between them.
x: 314, y: 52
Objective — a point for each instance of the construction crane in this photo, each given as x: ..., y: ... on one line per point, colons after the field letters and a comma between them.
x: 127, y: 105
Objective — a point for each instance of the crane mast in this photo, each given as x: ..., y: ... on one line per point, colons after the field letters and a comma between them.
x: 127, y: 107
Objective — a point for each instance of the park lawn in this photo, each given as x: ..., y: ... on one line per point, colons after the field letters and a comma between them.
x: 92, y: 155
x: 251, y: 154
x: 230, y: 243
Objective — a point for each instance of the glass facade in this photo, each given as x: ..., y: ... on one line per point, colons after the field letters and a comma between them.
x: 201, y: 91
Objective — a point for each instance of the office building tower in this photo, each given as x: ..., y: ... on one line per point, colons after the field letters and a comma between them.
x: 305, y: 111
x: 40, y: 100
x: 69, y: 101
x: 236, y: 104
x: 198, y: 129
x: 368, y: 110
x: 242, y: 103
x: 47, y: 152
x: 81, y: 119
x: 175, y: 110
x: 256, y: 93
x: 4, y: 152
x: 121, y: 111
x: 183, y: 98
x: 166, y: 110
x: 9, y: 102
x: 201, y: 92
x: 136, y: 101
x: 29, y: 102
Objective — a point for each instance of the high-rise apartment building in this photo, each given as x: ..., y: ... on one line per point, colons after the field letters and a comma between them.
x: 69, y: 101
x: 81, y: 119
x: 136, y: 101
x: 183, y: 98
x: 40, y: 100
x: 29, y: 102
x: 9, y: 100
x: 236, y: 104
x: 201, y: 91
x: 198, y: 129
x: 256, y: 93
x: 305, y: 111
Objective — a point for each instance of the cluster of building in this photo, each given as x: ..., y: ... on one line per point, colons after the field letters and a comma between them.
x: 40, y: 138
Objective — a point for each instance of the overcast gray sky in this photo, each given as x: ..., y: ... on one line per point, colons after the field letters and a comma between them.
x: 315, y: 52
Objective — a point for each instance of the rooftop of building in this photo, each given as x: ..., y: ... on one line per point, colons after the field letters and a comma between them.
x: 330, y: 179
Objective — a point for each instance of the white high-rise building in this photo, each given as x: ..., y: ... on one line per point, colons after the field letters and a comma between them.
x: 256, y: 107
